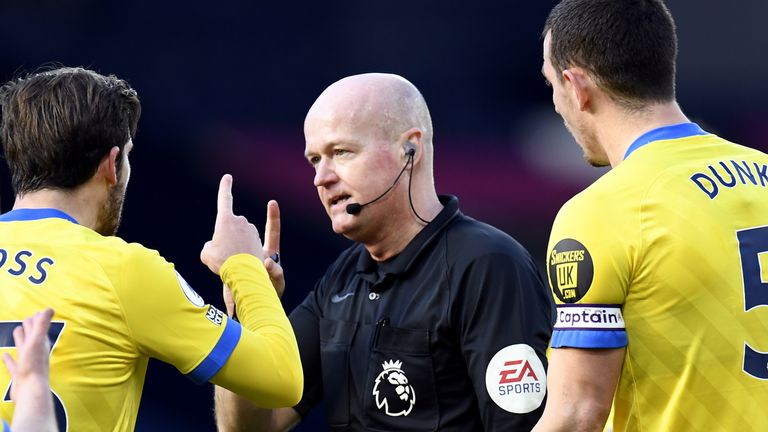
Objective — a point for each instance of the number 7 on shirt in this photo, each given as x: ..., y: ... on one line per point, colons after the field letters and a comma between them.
x: 6, y: 341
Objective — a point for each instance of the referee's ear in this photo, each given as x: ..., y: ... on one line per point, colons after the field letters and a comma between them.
x: 412, y: 140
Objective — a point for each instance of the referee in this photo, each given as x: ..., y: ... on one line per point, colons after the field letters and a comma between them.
x: 431, y: 320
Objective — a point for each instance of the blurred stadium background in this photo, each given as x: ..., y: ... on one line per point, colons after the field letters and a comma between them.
x: 225, y: 86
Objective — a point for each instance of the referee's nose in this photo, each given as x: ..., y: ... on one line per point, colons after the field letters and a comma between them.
x: 325, y: 173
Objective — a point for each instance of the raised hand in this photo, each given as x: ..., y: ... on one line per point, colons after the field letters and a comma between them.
x: 272, y: 247
x: 30, y: 389
x: 33, y: 346
x: 271, y: 251
x: 232, y: 234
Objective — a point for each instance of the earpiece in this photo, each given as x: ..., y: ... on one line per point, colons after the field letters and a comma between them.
x: 410, y: 149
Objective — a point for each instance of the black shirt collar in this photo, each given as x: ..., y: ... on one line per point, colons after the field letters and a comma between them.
x: 373, y: 271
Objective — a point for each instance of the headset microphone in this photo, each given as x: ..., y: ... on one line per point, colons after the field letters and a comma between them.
x: 355, y: 208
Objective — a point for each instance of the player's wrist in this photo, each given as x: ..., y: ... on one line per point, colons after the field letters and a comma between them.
x: 240, y: 259
x: 31, y: 386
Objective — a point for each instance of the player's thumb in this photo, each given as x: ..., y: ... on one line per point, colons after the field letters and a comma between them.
x: 206, y: 254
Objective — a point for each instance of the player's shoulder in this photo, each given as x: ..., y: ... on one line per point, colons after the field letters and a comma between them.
x: 622, y: 189
x: 127, y: 250
x: 702, y: 163
x: 125, y: 257
x: 595, y: 198
x: 136, y: 254
x: 606, y: 211
x: 717, y: 150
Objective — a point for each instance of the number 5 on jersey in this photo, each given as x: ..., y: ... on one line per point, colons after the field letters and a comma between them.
x: 6, y: 341
x: 753, y: 248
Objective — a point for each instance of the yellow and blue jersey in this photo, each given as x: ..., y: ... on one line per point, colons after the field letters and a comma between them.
x: 116, y: 304
x: 667, y: 255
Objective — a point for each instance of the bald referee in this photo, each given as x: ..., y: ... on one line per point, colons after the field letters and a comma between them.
x: 431, y: 320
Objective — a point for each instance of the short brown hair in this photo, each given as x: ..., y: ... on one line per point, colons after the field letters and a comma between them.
x: 628, y: 46
x: 58, y: 125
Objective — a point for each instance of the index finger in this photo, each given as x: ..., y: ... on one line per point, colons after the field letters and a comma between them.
x: 272, y: 229
x: 224, y: 202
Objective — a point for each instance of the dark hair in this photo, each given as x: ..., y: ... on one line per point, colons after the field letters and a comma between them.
x: 58, y: 125
x: 629, y: 47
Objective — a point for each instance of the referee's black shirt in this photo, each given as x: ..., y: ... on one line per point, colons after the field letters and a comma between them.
x: 436, y: 338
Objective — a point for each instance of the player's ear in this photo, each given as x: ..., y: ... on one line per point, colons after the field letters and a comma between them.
x: 108, y: 166
x: 580, y: 85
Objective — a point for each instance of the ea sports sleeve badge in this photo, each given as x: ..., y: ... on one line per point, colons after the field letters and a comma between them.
x: 516, y: 380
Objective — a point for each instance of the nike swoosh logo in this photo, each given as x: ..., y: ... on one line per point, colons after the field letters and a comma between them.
x: 337, y: 298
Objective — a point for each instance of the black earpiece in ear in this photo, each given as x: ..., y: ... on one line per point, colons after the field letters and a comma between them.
x: 410, y: 149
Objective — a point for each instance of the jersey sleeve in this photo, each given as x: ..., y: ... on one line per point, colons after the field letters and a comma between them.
x: 588, y: 267
x: 505, y: 325
x: 264, y: 366
x: 167, y: 319
x: 170, y: 322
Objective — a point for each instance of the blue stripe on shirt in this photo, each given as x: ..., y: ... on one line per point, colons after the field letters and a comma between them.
x: 219, y: 355
x: 589, y: 338
x: 6, y: 428
x: 35, y: 214
x: 681, y: 130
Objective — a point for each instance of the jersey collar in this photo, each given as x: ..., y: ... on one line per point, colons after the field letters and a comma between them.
x: 26, y: 214
x: 681, y: 130
x: 375, y: 272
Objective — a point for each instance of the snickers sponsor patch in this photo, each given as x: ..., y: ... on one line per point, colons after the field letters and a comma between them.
x: 570, y: 270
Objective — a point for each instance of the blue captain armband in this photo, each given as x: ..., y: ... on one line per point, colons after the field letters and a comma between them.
x: 219, y: 355
x: 589, y: 326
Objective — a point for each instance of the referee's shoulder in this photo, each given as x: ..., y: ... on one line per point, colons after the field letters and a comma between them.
x: 473, y: 238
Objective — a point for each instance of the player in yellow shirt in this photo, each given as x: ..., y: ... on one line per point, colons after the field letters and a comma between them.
x: 67, y: 135
x: 660, y: 267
